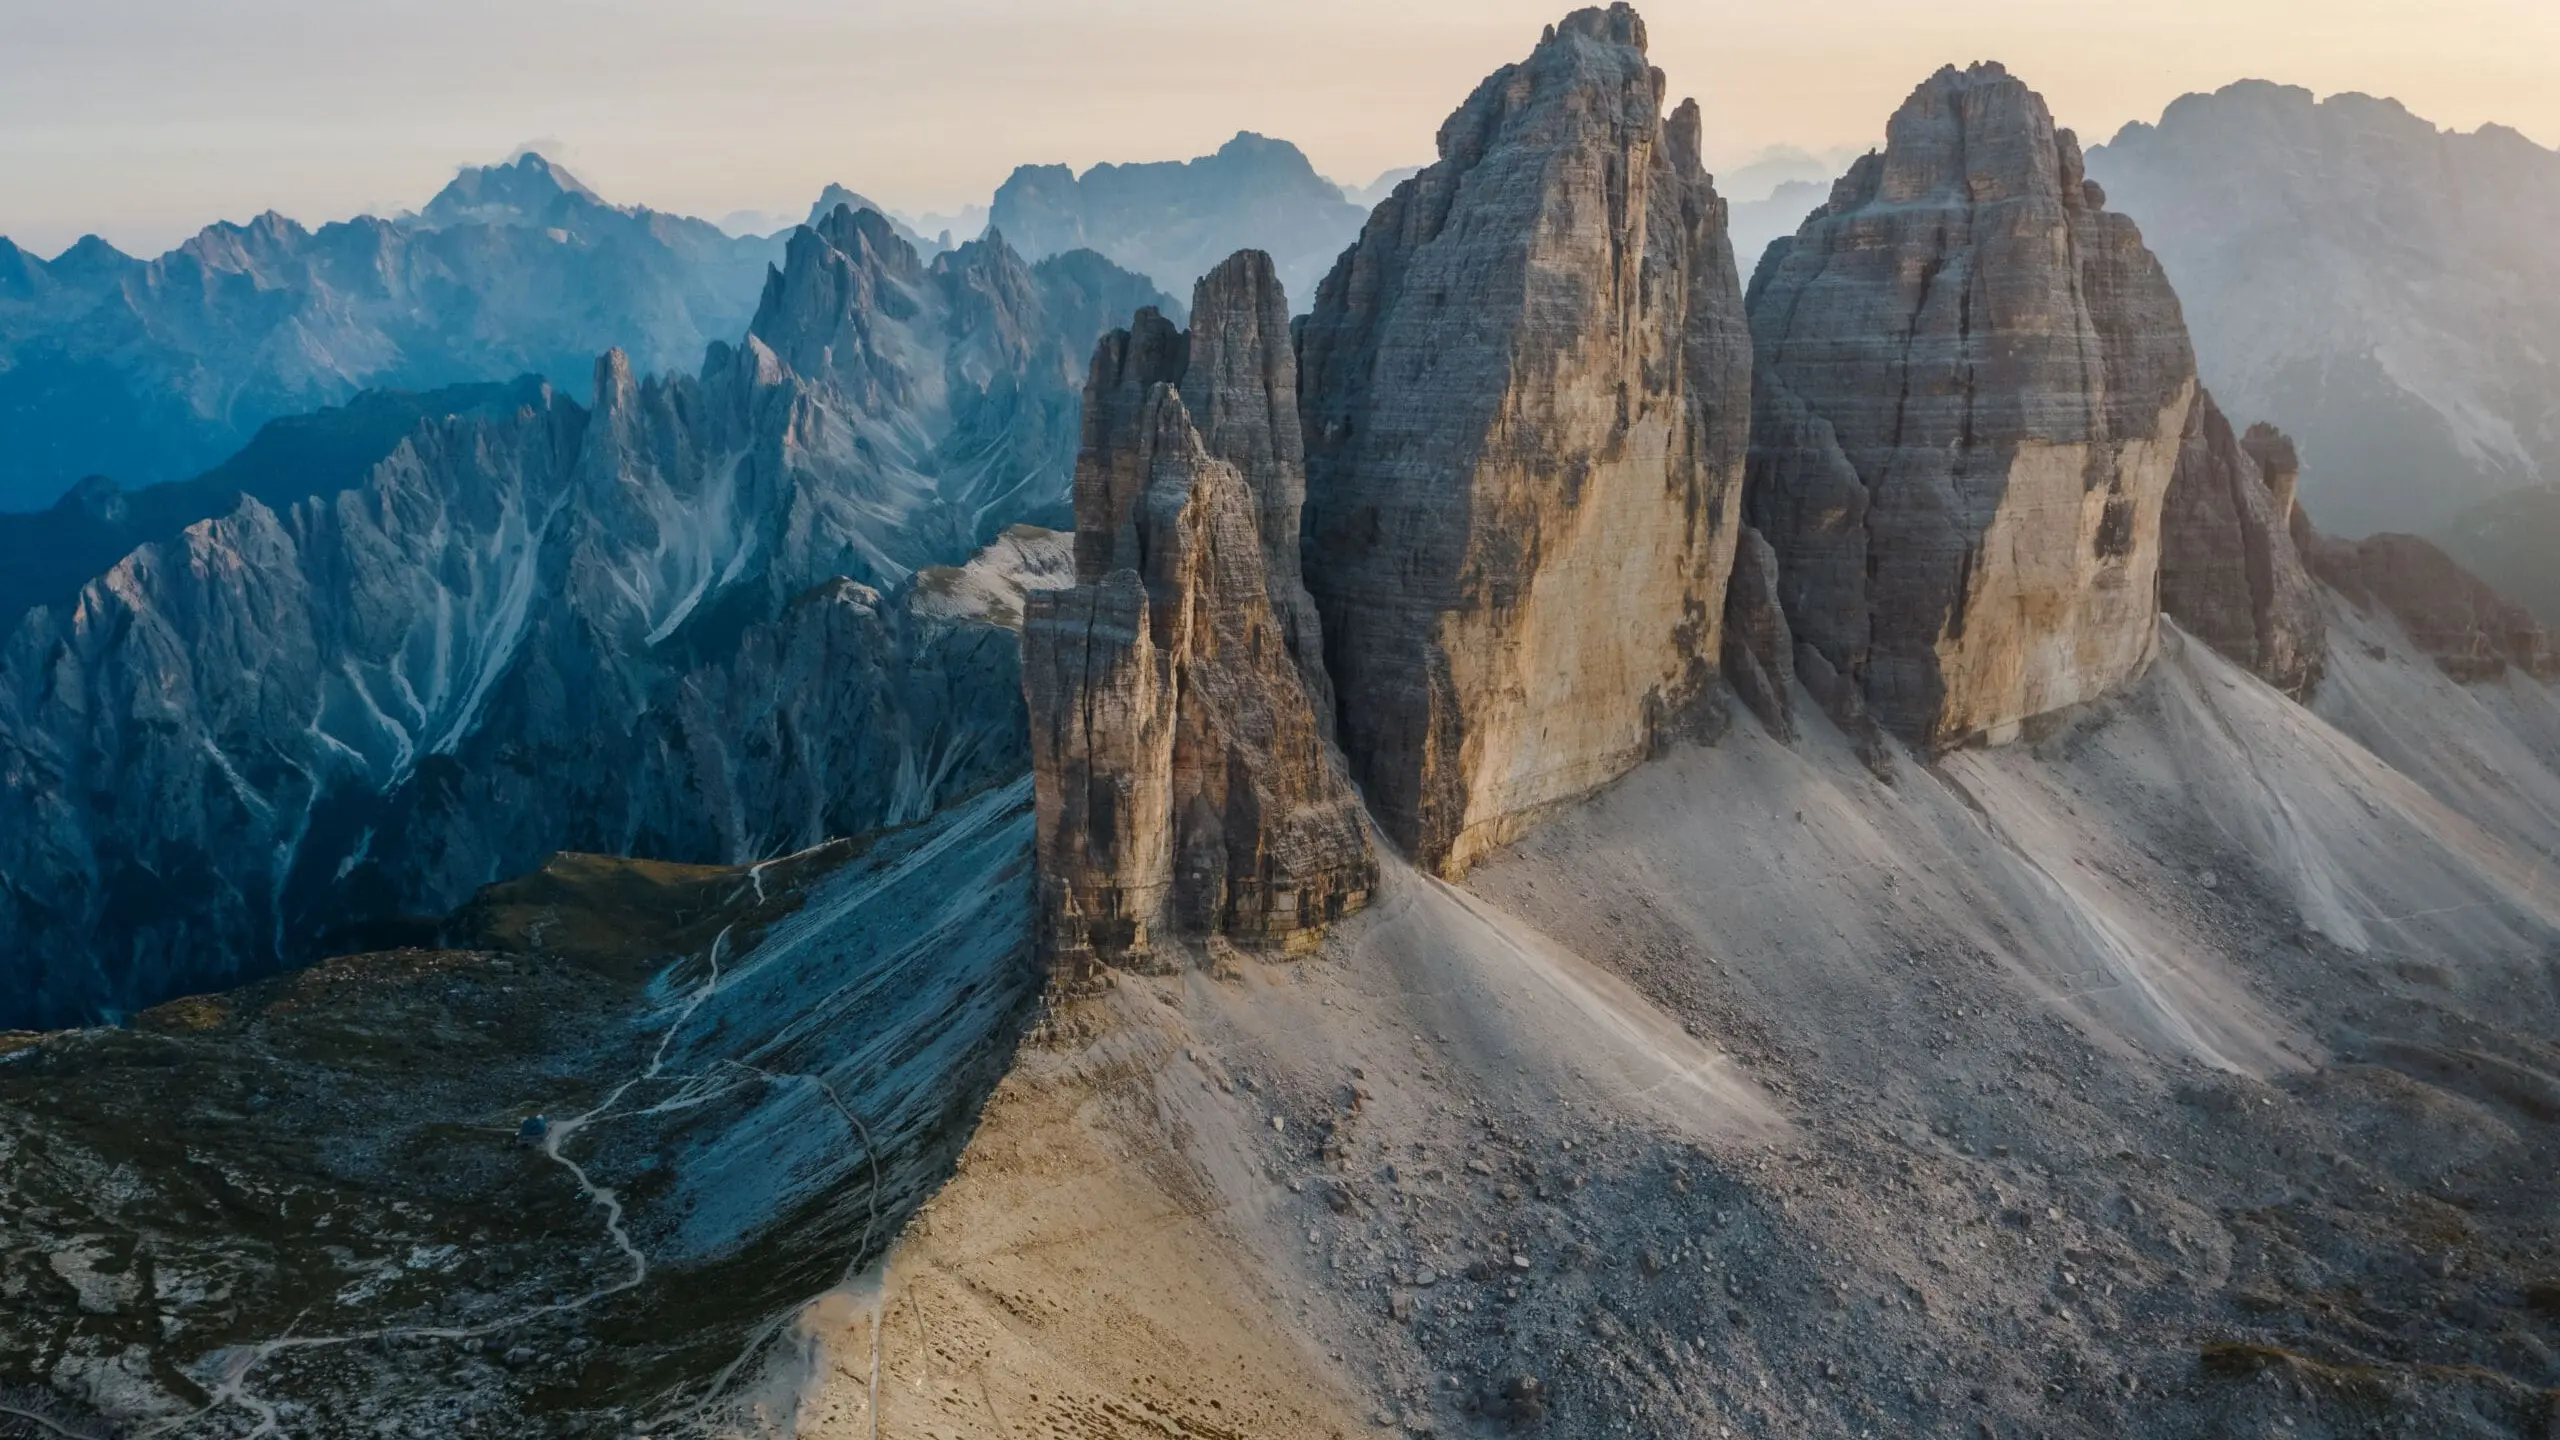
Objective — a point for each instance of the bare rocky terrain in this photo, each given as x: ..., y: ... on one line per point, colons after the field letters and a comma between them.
x: 570, y: 1177
x: 1531, y: 911
x: 2186, y: 1072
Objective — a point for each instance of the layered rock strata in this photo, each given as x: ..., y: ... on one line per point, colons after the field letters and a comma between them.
x: 2455, y: 618
x: 1526, y: 402
x: 1972, y: 392
x: 1186, y: 783
x: 2229, y: 572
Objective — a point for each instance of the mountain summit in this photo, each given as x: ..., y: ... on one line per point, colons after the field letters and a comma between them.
x: 1973, y: 384
x: 528, y: 190
x: 2382, y: 289
x: 1174, y: 220
x: 153, y: 371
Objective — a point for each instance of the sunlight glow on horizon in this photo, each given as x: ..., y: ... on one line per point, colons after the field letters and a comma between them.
x: 143, y: 120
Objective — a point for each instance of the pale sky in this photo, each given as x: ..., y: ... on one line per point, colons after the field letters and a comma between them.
x: 144, y: 119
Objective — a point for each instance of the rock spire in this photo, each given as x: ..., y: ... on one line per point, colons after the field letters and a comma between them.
x: 1186, y: 783
x: 2229, y: 572
x: 1526, y: 403
x: 1972, y: 391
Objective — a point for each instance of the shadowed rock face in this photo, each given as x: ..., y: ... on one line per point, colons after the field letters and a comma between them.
x: 1185, y: 782
x: 2229, y: 572
x: 1973, y: 386
x: 1759, y: 650
x: 2472, y: 632
x: 1525, y: 394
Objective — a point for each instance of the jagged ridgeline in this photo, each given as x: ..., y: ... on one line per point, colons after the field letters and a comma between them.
x: 706, y: 619
x: 1834, y: 1068
x: 1524, y: 402
x: 1980, y: 468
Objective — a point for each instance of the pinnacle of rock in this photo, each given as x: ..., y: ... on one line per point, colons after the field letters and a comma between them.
x: 1186, y: 785
x: 1525, y: 395
x: 2229, y: 572
x: 1973, y: 390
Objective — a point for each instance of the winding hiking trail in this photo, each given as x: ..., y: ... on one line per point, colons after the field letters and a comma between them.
x: 241, y: 1365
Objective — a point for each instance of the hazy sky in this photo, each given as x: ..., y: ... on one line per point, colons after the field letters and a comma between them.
x: 143, y: 119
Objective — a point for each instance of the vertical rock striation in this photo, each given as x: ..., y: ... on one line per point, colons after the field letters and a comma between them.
x: 1973, y: 387
x: 2229, y: 572
x: 682, y: 623
x: 1185, y: 782
x: 1526, y: 402
x: 1759, y: 650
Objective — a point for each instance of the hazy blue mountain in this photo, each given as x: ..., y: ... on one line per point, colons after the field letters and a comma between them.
x: 2511, y: 542
x: 152, y: 371
x: 2386, y: 291
x: 1174, y: 220
x: 697, y: 617
x: 1753, y: 224
x: 838, y: 197
x: 1367, y: 196
x: 1778, y: 166
x: 47, y: 555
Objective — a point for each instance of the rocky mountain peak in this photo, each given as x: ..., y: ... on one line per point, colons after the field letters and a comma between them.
x: 2279, y: 463
x: 1619, y: 24
x: 1185, y: 779
x: 89, y: 261
x: 2230, y: 573
x: 1524, y: 396
x: 823, y: 307
x: 839, y: 197
x: 1974, y: 388
x: 526, y: 190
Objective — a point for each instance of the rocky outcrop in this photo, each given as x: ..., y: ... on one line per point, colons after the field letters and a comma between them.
x: 1973, y: 387
x: 1759, y: 650
x: 707, y: 619
x: 1185, y: 782
x: 2468, y: 629
x: 2229, y: 572
x: 1525, y: 393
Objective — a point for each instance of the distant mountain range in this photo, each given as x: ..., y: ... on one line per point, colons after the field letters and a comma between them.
x: 154, y: 370
x: 145, y: 372
x: 2386, y: 291
x: 2511, y: 542
x: 1174, y: 220
x: 396, y: 651
x: 47, y: 555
